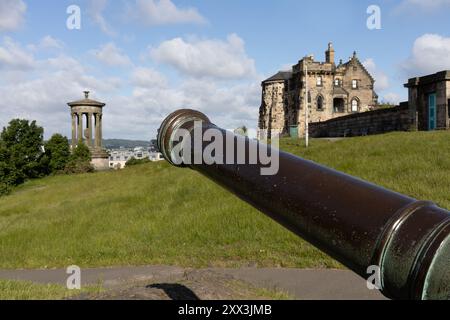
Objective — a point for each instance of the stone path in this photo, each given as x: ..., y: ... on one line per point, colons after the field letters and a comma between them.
x: 162, y: 282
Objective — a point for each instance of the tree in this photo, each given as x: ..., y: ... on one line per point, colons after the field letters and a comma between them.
x: 6, y: 171
x: 22, y: 143
x: 79, y: 161
x: 242, y: 131
x: 57, y: 151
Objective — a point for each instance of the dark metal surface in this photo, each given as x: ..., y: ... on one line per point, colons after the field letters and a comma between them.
x: 356, y: 222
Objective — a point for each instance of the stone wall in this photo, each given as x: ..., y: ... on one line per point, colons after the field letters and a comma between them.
x: 331, y: 93
x: 272, y: 112
x: 419, y: 91
x: 365, y: 123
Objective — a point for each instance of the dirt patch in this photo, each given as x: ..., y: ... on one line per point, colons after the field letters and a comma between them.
x: 192, y: 285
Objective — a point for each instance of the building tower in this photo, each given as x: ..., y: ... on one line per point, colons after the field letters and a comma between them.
x: 90, y: 113
x: 329, y: 54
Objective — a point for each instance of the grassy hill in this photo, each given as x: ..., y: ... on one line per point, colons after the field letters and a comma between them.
x: 157, y: 214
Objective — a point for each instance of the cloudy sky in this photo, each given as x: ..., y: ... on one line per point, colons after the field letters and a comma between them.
x: 146, y: 58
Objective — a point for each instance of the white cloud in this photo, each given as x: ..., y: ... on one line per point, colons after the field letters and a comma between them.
x: 42, y: 91
x: 14, y: 57
x: 48, y: 42
x: 430, y: 54
x: 146, y: 77
x: 286, y: 67
x: 39, y: 89
x: 164, y: 12
x: 12, y: 14
x: 381, y: 79
x: 111, y: 55
x: 207, y: 58
x: 140, y: 114
x: 96, y: 9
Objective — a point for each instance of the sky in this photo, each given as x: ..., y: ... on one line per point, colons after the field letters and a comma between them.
x: 148, y: 58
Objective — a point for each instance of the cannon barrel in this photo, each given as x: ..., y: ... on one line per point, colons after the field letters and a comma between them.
x: 356, y: 222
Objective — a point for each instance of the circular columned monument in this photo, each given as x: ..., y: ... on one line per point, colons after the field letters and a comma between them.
x: 89, y: 112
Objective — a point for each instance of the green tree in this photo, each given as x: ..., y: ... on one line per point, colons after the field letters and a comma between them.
x: 243, y: 131
x: 57, y: 151
x: 79, y: 161
x: 6, y: 170
x: 22, y: 144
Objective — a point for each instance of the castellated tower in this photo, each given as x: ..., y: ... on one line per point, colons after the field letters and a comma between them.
x: 334, y: 90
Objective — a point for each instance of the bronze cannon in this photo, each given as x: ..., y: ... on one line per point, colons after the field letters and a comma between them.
x: 357, y: 223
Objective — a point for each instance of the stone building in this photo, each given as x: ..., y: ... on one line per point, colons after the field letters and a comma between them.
x: 429, y: 101
x: 87, y: 119
x: 335, y: 90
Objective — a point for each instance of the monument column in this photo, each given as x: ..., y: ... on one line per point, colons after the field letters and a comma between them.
x: 80, y: 127
x: 97, y: 130
x: 74, y: 130
x: 89, y: 129
x: 100, y: 135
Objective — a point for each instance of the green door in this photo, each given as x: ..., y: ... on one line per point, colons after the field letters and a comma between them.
x: 432, y: 111
x: 293, y: 131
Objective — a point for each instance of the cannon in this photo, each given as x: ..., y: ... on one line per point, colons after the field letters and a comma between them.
x: 359, y: 224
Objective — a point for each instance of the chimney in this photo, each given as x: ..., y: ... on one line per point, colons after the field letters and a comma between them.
x: 329, y: 54
x: 86, y: 94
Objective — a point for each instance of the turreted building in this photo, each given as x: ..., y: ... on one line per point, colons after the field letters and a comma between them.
x: 335, y: 90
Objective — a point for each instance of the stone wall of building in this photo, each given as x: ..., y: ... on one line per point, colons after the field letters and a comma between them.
x: 419, y: 91
x: 272, y: 112
x: 365, y: 123
x: 331, y: 93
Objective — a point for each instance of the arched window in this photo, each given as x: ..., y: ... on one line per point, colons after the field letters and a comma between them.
x: 319, y: 103
x: 355, y: 105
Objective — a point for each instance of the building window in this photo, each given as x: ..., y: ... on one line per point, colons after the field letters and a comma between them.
x: 354, y: 84
x: 355, y: 105
x: 319, y: 81
x: 319, y: 103
x: 337, y: 82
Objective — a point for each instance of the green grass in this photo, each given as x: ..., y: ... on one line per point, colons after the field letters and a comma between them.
x: 22, y: 290
x: 157, y: 214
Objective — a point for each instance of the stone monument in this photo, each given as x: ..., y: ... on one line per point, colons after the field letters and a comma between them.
x: 91, y: 133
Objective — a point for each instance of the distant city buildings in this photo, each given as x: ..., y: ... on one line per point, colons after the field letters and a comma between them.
x: 119, y: 157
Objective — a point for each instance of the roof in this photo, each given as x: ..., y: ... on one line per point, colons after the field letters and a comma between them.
x: 431, y: 78
x: 86, y: 102
x: 280, y: 76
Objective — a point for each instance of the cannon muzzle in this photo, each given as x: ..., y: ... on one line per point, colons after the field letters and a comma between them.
x: 358, y: 223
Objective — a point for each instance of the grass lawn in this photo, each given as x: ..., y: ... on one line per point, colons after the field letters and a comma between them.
x: 22, y: 290
x: 157, y: 214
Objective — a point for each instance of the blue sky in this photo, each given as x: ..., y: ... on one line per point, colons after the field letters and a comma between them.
x: 146, y: 58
